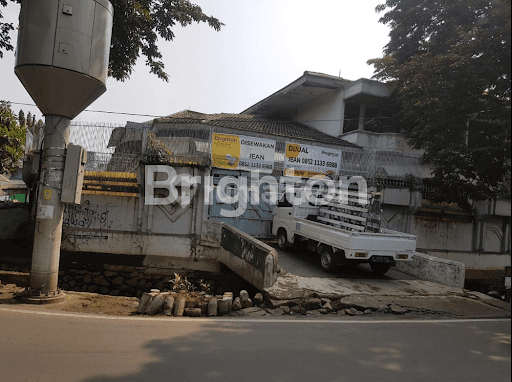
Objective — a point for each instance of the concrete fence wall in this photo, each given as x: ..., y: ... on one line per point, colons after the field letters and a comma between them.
x: 435, y: 269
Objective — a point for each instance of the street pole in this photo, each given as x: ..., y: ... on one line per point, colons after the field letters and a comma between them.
x: 48, y: 229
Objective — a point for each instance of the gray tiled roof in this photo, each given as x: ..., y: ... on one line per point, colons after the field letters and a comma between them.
x: 257, y: 124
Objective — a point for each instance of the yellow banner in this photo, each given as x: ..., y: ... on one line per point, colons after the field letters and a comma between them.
x: 239, y: 152
x: 225, y: 150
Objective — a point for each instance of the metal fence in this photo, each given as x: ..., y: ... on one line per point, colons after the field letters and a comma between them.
x: 116, y: 147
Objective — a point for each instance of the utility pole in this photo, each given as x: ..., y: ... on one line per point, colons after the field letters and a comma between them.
x: 44, y: 272
x: 62, y: 60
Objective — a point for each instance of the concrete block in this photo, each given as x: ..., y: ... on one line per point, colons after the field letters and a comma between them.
x: 168, y: 305
x: 434, y: 269
x: 212, y: 307
x: 179, y: 306
x: 223, y: 306
x: 192, y: 312
x: 145, y: 300
x: 156, y: 304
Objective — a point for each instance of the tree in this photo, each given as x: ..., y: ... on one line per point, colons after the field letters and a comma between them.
x: 21, y: 118
x: 450, y: 63
x: 29, y: 121
x: 12, y: 139
x: 137, y: 26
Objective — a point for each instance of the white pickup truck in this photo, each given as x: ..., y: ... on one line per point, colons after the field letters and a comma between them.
x: 339, y: 237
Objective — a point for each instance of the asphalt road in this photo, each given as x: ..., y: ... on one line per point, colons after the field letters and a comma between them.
x: 301, y: 262
x: 43, y: 347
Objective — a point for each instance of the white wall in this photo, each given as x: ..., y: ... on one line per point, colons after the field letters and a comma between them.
x: 326, y: 113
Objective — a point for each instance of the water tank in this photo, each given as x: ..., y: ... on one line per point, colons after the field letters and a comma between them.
x: 62, y: 53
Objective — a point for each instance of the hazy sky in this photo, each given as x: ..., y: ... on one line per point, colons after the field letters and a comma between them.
x: 264, y: 46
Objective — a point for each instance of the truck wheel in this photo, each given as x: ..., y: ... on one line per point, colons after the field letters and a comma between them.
x: 327, y: 260
x: 379, y: 268
x: 282, y: 239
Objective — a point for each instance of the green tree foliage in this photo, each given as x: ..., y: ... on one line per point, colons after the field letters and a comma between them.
x: 12, y: 139
x: 450, y: 62
x: 137, y: 27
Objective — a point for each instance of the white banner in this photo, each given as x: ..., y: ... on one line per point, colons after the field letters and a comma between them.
x: 307, y: 161
x: 239, y: 152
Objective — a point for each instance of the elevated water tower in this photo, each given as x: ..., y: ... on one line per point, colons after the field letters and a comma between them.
x: 62, y: 61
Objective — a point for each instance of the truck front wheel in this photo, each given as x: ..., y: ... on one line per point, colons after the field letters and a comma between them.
x: 282, y: 239
x: 327, y: 260
x: 379, y: 268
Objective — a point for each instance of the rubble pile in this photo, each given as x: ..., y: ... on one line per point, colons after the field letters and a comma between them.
x: 195, y: 304
x: 203, y: 305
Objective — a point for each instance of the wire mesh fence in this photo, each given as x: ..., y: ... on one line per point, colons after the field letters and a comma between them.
x: 116, y: 147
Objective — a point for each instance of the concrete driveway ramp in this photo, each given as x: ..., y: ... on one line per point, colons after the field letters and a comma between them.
x: 394, y: 296
x: 245, y: 255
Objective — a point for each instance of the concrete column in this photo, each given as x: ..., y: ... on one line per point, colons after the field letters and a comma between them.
x: 362, y: 112
x: 48, y: 229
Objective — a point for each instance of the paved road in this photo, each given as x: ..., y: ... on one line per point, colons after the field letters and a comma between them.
x: 301, y: 262
x: 44, y: 348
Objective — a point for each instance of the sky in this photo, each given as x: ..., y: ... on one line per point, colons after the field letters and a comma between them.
x: 264, y: 46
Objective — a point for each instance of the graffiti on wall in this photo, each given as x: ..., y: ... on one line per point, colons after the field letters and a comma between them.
x: 87, y: 215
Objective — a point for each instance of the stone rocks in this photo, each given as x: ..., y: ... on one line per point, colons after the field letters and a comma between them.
x: 361, y: 303
x: 311, y: 303
x: 258, y: 299
x: 397, y: 309
x: 327, y: 306
x: 97, y: 280
x: 295, y: 309
x: 254, y: 311
x: 276, y: 312
x: 118, y: 280
x: 248, y: 303
x: 237, y: 304
x: 244, y: 296
x: 353, y: 312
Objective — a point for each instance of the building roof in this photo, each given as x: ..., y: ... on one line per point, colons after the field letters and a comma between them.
x: 312, y: 85
x: 255, y: 124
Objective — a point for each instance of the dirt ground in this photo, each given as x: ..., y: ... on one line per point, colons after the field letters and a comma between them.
x: 78, y: 302
x: 84, y: 302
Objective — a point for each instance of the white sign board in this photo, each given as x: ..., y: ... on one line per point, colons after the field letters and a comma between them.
x: 307, y: 161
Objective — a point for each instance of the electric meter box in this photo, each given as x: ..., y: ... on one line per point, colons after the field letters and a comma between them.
x: 62, y: 53
x: 73, y: 179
